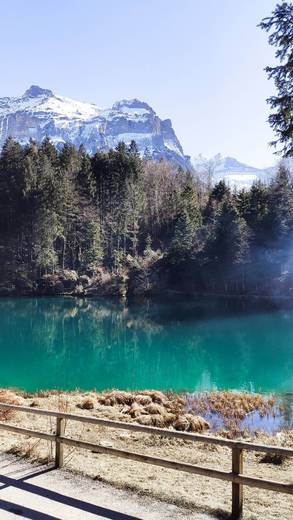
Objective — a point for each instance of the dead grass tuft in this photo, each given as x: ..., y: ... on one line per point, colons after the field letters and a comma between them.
x: 135, y: 410
x: 151, y: 408
x: 231, y: 404
x: 144, y: 400
x: 7, y: 397
x: 43, y: 394
x: 116, y: 397
x: 63, y: 404
x: 273, y: 458
x: 155, y: 409
x: 35, y: 404
x: 156, y: 396
x: 231, y: 408
x: 87, y: 404
x: 190, y: 423
x: 157, y: 420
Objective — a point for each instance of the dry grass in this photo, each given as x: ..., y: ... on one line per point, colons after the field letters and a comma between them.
x: 161, y: 483
x: 191, y: 423
x: 273, y: 458
x: 231, y: 404
x: 87, y: 404
x: 116, y: 397
x: 6, y: 396
x: 231, y: 408
x: 152, y: 408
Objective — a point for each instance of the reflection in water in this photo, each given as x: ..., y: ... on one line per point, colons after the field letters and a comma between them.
x: 194, y: 345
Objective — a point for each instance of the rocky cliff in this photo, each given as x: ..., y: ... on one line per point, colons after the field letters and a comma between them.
x: 39, y: 113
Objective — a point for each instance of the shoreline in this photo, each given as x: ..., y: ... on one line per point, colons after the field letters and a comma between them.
x: 154, y: 296
x: 252, y: 301
x: 221, y: 412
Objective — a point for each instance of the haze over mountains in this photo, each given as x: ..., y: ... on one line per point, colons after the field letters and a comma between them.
x: 39, y: 113
x: 235, y: 173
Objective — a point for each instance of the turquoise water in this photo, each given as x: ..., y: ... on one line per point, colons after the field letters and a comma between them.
x: 188, y: 345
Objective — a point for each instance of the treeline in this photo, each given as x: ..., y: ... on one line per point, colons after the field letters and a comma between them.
x: 64, y: 209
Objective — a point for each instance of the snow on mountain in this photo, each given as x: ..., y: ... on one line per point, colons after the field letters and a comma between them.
x: 229, y: 169
x: 39, y: 113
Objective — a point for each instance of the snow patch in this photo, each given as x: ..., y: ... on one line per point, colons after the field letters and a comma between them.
x: 39, y: 113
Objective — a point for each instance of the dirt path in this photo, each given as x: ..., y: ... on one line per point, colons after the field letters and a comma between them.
x: 42, y: 493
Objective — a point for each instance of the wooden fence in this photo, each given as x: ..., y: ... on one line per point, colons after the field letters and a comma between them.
x: 235, y: 476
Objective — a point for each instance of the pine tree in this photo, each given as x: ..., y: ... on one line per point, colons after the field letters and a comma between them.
x: 217, y: 195
x: 68, y: 169
x: 180, y: 249
x: 41, y: 199
x: 11, y: 183
x: 86, y: 180
x: 228, y: 241
x: 133, y: 149
x: 50, y: 151
x: 280, y: 24
x: 46, y: 227
x: 189, y: 201
x: 280, y: 213
x: 188, y: 220
x: 91, y: 254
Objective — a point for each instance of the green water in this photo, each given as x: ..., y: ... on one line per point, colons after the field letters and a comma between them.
x: 188, y: 345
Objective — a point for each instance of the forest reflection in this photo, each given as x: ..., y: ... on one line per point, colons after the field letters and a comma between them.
x: 188, y: 345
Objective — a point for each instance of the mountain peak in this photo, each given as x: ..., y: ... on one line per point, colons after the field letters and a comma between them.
x: 231, y: 162
x: 40, y: 113
x: 131, y: 103
x: 232, y: 171
x: 36, y: 91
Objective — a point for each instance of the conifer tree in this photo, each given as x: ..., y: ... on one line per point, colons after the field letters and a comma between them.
x: 188, y: 220
x: 228, y: 242
x: 91, y: 253
x: 189, y: 201
x: 280, y: 27
x: 180, y: 249
x: 280, y: 214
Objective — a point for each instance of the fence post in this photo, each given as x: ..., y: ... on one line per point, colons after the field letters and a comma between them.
x: 237, y: 489
x: 60, y: 430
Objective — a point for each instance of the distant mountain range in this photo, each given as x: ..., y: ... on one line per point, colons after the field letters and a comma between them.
x: 39, y: 113
x: 231, y: 170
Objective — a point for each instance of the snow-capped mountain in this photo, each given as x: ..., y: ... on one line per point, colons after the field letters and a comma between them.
x: 39, y: 113
x: 232, y: 171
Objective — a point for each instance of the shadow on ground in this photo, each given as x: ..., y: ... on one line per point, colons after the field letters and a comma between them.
x: 9, y: 478
x: 22, y: 484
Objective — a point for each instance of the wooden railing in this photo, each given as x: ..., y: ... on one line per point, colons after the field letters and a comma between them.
x: 235, y: 476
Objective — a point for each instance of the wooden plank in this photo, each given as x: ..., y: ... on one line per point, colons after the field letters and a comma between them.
x: 25, y: 431
x: 148, y: 459
x: 152, y: 430
x: 180, y: 466
x: 270, y: 485
x: 237, y: 488
x: 60, y: 431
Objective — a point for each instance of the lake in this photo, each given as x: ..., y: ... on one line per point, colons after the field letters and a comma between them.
x: 201, y: 344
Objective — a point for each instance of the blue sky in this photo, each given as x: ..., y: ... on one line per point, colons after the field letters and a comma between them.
x: 199, y: 63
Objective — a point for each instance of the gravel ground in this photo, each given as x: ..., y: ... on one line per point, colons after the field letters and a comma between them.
x: 38, y: 492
